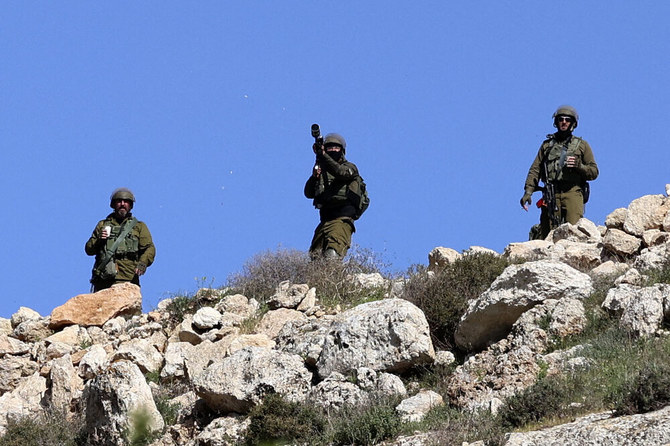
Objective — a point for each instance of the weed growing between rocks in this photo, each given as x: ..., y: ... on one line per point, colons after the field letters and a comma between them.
x: 444, y: 295
x: 261, y: 275
x: 279, y: 420
x: 50, y: 429
x: 658, y: 275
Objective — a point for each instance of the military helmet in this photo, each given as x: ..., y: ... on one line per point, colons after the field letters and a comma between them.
x: 567, y: 110
x: 121, y: 193
x: 335, y: 138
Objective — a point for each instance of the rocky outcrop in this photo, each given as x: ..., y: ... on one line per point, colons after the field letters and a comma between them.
x: 518, y: 289
x: 98, y: 308
x: 98, y: 355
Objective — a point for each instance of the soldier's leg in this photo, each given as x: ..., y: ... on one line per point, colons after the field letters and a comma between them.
x: 545, y: 223
x: 338, y: 236
x: 318, y: 244
x: 572, y: 203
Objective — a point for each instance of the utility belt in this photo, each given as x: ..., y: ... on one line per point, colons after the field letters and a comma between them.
x: 126, y: 255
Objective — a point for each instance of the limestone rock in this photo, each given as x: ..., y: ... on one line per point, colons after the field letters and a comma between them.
x: 66, y: 385
x: 616, y: 218
x: 440, y: 257
x: 530, y: 250
x: 415, y: 408
x: 142, y: 353
x: 599, y: 429
x: 304, y: 338
x: 273, y: 321
x: 24, y: 314
x: 287, y: 295
x: 13, y: 369
x: 584, y: 231
x: 389, y: 335
x: 519, y: 288
x: 239, y: 382
x: 621, y: 243
x: 113, y: 399
x: 98, y: 308
x: 24, y: 401
x: 93, y: 362
x: 206, y: 318
x: 644, y: 213
x: 12, y: 346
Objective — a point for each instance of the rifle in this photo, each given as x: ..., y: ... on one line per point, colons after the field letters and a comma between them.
x: 549, y: 198
x: 318, y: 143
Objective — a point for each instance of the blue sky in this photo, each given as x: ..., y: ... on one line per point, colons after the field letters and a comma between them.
x: 204, y: 109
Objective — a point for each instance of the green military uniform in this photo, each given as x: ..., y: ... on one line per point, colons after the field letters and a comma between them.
x: 568, y: 181
x: 331, y: 195
x: 137, y: 250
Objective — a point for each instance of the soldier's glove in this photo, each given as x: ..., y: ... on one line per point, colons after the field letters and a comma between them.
x: 140, y: 269
x: 317, y: 148
x: 526, y: 199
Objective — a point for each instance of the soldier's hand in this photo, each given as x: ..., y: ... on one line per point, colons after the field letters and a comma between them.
x: 317, y: 171
x: 140, y: 269
x: 317, y: 148
x: 571, y: 161
x: 525, y: 201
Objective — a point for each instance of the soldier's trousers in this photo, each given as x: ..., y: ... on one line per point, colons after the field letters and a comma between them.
x: 570, y: 209
x: 333, y: 234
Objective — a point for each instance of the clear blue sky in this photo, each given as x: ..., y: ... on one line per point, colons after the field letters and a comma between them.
x: 204, y: 108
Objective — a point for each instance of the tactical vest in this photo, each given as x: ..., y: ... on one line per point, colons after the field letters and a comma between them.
x: 333, y: 193
x: 129, y: 247
x: 555, y: 153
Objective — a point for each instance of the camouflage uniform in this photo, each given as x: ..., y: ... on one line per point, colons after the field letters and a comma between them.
x: 568, y: 181
x: 330, y: 194
x: 137, y: 250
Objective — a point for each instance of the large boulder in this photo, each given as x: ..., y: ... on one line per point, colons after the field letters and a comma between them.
x: 490, y: 317
x: 98, y: 308
x: 115, y: 399
x: 644, y: 213
x: 240, y: 381
x: 24, y: 401
x: 387, y: 335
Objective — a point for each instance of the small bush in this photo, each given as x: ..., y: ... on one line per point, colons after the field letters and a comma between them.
x: 278, y: 419
x: 658, y: 275
x: 332, y: 279
x: 544, y: 399
x: 366, y: 426
x: 50, y: 429
x: 648, y: 391
x: 444, y: 296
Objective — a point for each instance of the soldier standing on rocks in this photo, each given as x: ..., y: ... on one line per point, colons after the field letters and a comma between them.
x: 121, y: 244
x: 338, y: 192
x: 564, y: 163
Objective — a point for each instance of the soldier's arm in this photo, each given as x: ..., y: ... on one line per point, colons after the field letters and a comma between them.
x: 92, y: 245
x: 533, y: 176
x: 146, y: 245
x: 346, y: 171
x: 587, y: 166
x: 310, y: 187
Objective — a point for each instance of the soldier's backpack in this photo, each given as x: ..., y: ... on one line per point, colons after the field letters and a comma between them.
x: 358, y: 194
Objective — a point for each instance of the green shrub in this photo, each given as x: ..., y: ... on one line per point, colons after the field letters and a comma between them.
x: 660, y: 274
x: 444, y: 296
x: 366, y: 426
x: 280, y: 420
x: 547, y: 398
x: 262, y: 273
x: 50, y: 429
x: 649, y: 390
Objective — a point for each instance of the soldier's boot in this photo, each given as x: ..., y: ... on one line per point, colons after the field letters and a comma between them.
x: 331, y: 254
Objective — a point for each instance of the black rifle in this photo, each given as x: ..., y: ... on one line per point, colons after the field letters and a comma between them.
x: 549, y: 198
x: 318, y: 143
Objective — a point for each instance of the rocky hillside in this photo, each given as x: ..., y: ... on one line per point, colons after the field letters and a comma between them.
x: 99, y: 362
